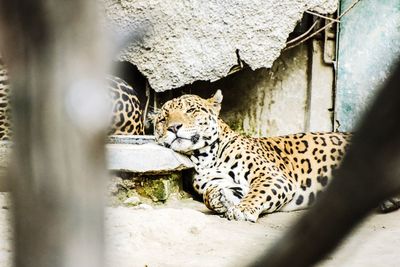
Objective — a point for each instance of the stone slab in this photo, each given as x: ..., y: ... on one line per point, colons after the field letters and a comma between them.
x: 146, y: 158
x: 185, y: 41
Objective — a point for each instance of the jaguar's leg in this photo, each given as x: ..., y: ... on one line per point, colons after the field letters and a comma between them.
x: 220, y: 197
x: 267, y: 194
x: 219, y: 192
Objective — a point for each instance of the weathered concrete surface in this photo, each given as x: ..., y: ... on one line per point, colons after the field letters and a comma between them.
x: 277, y: 103
x: 321, y: 91
x: 150, y: 158
x: 185, y: 41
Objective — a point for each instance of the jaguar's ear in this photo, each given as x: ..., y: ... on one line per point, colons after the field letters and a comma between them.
x: 216, y: 100
x: 217, y: 97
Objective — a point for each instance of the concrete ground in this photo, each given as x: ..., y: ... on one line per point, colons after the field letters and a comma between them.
x: 184, y: 233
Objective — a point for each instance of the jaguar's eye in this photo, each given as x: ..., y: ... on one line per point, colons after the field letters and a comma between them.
x: 162, y: 120
x: 190, y: 110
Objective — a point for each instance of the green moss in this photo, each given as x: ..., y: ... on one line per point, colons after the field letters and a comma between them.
x: 157, y: 188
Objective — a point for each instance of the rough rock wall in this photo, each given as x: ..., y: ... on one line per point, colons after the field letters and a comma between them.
x: 191, y: 40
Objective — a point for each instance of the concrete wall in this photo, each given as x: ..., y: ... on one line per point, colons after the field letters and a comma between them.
x: 294, y: 95
x: 272, y: 101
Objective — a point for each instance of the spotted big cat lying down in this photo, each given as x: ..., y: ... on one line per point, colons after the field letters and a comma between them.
x: 242, y: 177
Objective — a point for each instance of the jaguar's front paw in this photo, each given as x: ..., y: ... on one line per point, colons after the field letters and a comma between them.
x: 219, y: 199
x: 239, y: 213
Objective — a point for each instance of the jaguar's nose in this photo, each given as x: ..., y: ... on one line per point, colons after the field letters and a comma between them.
x: 174, y: 127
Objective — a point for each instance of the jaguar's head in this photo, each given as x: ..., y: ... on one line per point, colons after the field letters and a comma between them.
x: 188, y: 123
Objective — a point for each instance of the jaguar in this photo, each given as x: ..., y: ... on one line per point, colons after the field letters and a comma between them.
x: 242, y: 177
x: 127, y: 115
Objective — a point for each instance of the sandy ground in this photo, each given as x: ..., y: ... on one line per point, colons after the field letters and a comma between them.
x: 184, y: 233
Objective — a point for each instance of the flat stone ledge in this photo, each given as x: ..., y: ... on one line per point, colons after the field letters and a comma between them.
x: 138, y: 154
x: 145, y: 158
x: 131, y: 139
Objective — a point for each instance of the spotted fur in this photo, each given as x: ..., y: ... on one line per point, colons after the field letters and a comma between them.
x: 127, y: 115
x: 242, y: 177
